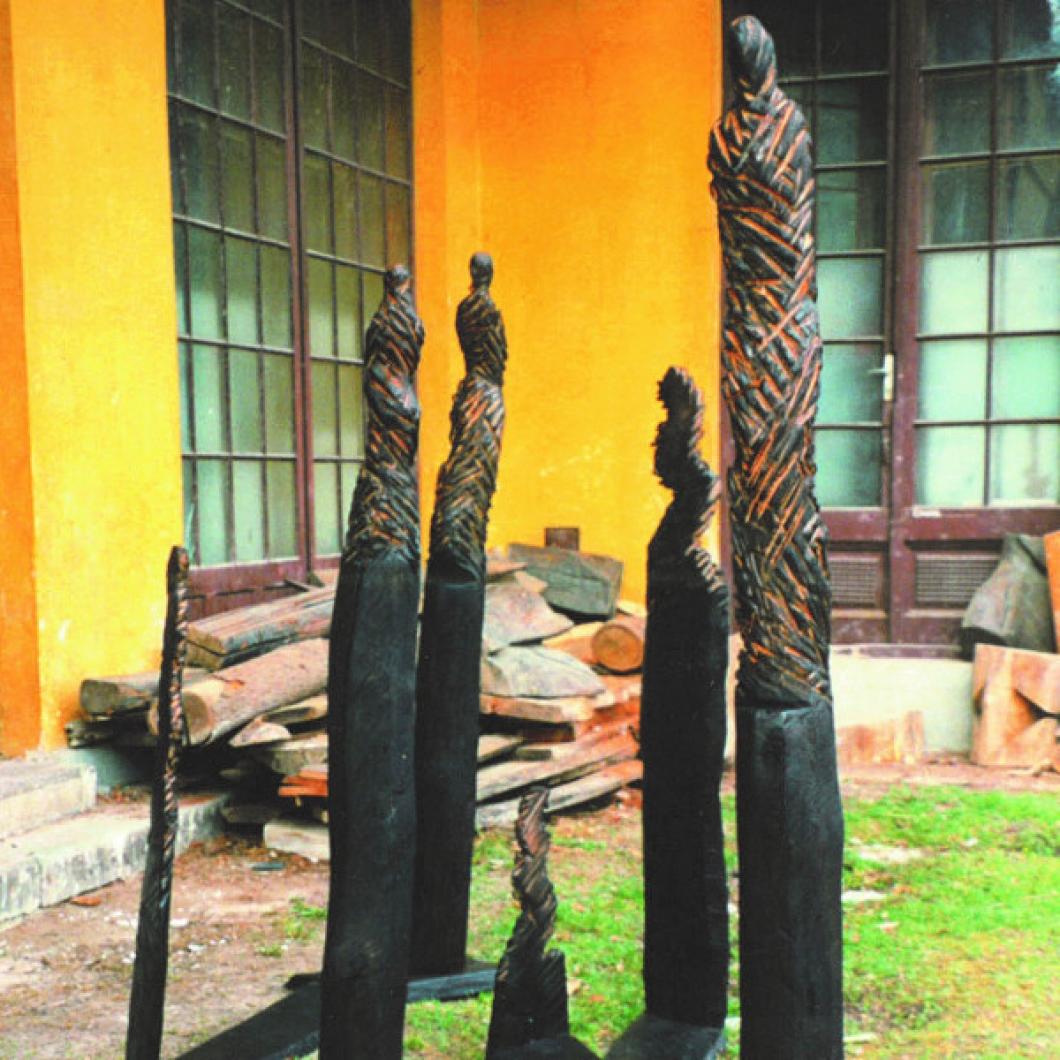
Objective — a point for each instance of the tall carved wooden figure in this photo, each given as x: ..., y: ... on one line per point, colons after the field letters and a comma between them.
x: 371, y: 705
x: 790, y: 821
x: 447, y: 684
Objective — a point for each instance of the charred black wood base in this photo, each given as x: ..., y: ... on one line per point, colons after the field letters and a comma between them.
x: 447, y: 728
x: 686, y: 934
x: 651, y: 1038
x: 790, y: 831
x: 371, y: 699
x: 562, y: 1048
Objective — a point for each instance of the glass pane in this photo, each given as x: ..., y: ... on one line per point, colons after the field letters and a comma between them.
x: 345, y: 192
x: 249, y: 510
x: 1028, y: 198
x: 397, y: 40
x: 370, y: 121
x: 180, y: 270
x: 1025, y: 463
x: 369, y: 32
x: 268, y: 76
x: 187, y: 475
x: 850, y: 392
x: 205, y: 250
x: 854, y: 37
x: 269, y: 8
x: 850, y: 296
x: 802, y: 93
x: 351, y: 419
x: 235, y: 62
x: 1027, y: 289
x: 237, y: 175
x: 372, y: 225
x: 372, y: 295
x: 1029, y: 109
x: 348, y: 474
x: 953, y: 291
x: 212, y: 497
x: 957, y: 30
x: 176, y: 185
x: 348, y: 311
x: 398, y: 246
x: 208, y: 389
x: 321, y: 315
x: 1027, y: 378
x: 185, y: 411
x: 956, y: 203
x: 315, y: 20
x: 343, y: 110
x: 851, y: 208
x: 949, y: 466
x: 195, y: 69
x: 198, y: 140
x: 242, y: 264
x: 314, y: 100
x: 244, y: 395
x: 326, y: 504
x: 340, y: 27
x: 851, y: 121
x: 1029, y: 28
x: 325, y: 438
x: 275, y: 297
x: 283, y: 514
x: 952, y: 380
x: 791, y: 25
x: 848, y: 468
x: 316, y: 203
x: 272, y: 188
x: 397, y: 133
x: 956, y: 114
x: 279, y: 404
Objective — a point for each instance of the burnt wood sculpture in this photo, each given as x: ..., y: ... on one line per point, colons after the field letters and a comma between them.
x: 447, y: 685
x: 790, y: 823
x: 371, y: 704
x: 529, y: 1016
x: 147, y: 1001
x: 686, y: 929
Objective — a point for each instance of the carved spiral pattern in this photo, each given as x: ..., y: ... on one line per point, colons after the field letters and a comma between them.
x: 468, y: 478
x: 763, y: 183
x: 384, y: 515
x: 675, y: 552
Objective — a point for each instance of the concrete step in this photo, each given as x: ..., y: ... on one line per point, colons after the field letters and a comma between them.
x: 37, y: 789
x: 65, y: 858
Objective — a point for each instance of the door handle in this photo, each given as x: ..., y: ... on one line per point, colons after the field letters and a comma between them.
x: 886, y: 371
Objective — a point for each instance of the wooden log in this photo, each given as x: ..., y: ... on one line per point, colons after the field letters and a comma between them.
x: 891, y: 741
x: 228, y: 699
x: 259, y: 732
x: 540, y: 673
x: 515, y: 615
x: 619, y: 644
x: 577, y: 641
x: 565, y: 796
x: 305, y: 712
x: 492, y: 746
x: 295, y: 754
x: 1052, y: 569
x: 499, y: 567
x: 544, y: 711
x: 105, y: 696
x: 234, y: 636
x: 512, y: 776
x: 578, y: 582
x: 562, y: 752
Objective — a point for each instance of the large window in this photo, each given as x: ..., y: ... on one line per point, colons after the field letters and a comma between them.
x: 289, y: 128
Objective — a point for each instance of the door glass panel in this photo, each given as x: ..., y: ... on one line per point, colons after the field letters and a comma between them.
x: 372, y: 222
x: 198, y: 146
x: 851, y: 209
x: 956, y: 114
x: 241, y: 261
x: 1027, y: 289
x: 325, y: 436
x: 397, y: 133
x: 279, y: 403
x: 321, y: 317
x: 370, y: 122
x: 788, y: 24
x: 351, y: 419
x: 953, y: 291
x: 952, y: 381
x: 317, y: 204
x: 272, y: 188
x: 848, y: 468
x: 957, y: 30
x: 326, y: 502
x: 1029, y: 28
x: 343, y: 108
x: 1028, y: 205
x: 950, y: 466
x: 212, y: 497
x: 1025, y: 463
x: 208, y: 383
x: 1029, y: 108
x: 345, y: 192
x: 268, y: 76
x: 349, y: 473
x: 195, y: 73
x: 245, y: 404
x: 1026, y: 378
x: 956, y: 203
x: 185, y: 411
x: 850, y: 393
x: 237, y: 177
x: 348, y: 310
x: 275, y: 296
x: 205, y: 253
x: 234, y: 50
x: 851, y: 121
x: 370, y: 33
x: 398, y: 246
x: 371, y: 294
x: 314, y: 98
x: 180, y: 271
x: 856, y: 39
x: 282, y: 509
x: 850, y: 297
x: 249, y: 504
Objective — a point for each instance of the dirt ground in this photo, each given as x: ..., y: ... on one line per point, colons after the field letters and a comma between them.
x: 65, y: 972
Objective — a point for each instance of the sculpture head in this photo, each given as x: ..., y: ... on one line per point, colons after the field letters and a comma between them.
x: 678, y: 436
x: 396, y: 279
x: 481, y: 269
x: 752, y: 55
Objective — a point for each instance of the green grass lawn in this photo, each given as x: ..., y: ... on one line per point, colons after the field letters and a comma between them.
x: 959, y: 958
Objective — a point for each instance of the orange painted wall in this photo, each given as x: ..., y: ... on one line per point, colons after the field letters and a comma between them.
x: 587, y: 149
x: 99, y: 321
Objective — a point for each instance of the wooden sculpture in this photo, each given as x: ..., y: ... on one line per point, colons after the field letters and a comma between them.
x: 147, y: 1001
x: 447, y: 686
x: 686, y: 934
x: 371, y: 704
x: 530, y: 996
x: 790, y: 824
